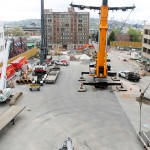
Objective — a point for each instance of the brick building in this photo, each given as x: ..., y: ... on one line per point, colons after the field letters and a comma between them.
x: 66, y: 30
x: 122, y: 37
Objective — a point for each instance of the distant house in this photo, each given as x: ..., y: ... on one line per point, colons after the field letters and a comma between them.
x: 122, y: 37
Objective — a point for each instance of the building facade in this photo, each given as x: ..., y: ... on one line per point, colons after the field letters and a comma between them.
x: 67, y: 30
x: 122, y: 37
x: 18, y: 46
x: 146, y: 42
x: 2, y: 41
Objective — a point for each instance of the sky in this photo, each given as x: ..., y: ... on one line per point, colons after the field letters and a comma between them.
x: 15, y: 10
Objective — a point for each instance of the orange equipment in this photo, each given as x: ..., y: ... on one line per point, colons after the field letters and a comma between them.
x: 100, y: 67
x: 18, y: 63
x: 85, y: 46
x: 10, y: 72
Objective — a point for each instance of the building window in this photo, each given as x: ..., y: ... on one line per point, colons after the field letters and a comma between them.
x: 79, y: 29
x: 144, y: 49
x: 79, y: 20
x: 145, y: 41
x: 148, y: 51
x: 146, y: 31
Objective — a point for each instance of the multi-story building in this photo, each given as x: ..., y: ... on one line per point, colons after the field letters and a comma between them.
x: 66, y: 29
x: 2, y: 41
x: 146, y: 43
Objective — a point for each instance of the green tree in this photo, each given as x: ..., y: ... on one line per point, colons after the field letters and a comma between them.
x: 16, y: 31
x: 117, y: 31
x: 111, y: 37
x: 135, y: 35
x: 7, y: 32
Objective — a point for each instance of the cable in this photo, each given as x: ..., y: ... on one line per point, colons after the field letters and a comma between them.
x: 126, y: 19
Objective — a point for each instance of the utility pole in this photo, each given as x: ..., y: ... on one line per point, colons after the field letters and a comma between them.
x: 43, y: 48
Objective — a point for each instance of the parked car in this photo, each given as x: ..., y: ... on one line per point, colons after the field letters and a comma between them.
x: 62, y: 62
x: 129, y: 75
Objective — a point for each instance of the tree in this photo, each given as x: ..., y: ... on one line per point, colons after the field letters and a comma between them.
x: 134, y: 35
x: 16, y: 31
x: 111, y: 37
x: 117, y: 31
x: 7, y: 32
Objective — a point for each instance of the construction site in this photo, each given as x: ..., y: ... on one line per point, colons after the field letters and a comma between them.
x: 94, y: 99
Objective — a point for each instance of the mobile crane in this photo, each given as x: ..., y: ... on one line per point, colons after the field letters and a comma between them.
x: 100, y: 72
x: 5, y: 93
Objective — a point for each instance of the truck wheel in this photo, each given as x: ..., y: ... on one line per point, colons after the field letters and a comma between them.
x: 33, y: 74
x: 30, y: 89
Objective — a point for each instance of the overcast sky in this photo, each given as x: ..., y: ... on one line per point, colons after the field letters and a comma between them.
x: 14, y: 10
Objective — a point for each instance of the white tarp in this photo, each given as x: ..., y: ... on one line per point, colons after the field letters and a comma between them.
x: 85, y: 57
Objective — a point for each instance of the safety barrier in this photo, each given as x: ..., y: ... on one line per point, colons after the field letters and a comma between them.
x: 126, y: 44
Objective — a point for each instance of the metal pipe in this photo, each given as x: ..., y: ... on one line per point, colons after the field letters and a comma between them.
x: 18, y: 81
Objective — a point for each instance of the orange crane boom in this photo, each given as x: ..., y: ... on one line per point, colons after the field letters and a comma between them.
x: 101, y: 62
x: 101, y: 69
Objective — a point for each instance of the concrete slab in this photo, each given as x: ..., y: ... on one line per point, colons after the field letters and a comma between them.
x: 59, y: 111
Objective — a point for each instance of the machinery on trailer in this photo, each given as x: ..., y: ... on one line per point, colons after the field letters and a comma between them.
x: 39, y: 69
x: 100, y: 71
x: 38, y: 79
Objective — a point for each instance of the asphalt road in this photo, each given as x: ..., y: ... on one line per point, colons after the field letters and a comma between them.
x: 94, y: 120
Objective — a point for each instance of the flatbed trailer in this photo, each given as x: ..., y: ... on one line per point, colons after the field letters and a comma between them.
x: 9, y: 115
x: 51, y: 77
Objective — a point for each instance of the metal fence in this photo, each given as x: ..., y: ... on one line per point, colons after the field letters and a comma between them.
x: 126, y: 44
